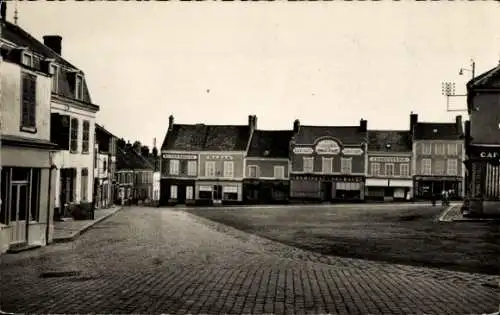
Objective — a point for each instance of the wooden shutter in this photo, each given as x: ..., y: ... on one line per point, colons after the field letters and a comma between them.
x: 28, y: 111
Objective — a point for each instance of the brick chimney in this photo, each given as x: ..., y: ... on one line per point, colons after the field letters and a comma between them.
x: 252, y: 122
x: 53, y: 42
x: 413, y: 121
x: 296, y: 125
x: 170, y: 122
x: 363, y: 125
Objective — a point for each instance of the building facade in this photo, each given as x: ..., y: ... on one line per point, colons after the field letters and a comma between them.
x: 105, y: 167
x: 328, y: 163
x: 267, y: 167
x: 204, y: 164
x: 27, y: 168
x: 482, y: 137
x: 438, y: 155
x: 389, y: 172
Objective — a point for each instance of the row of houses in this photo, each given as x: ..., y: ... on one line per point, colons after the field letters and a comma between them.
x: 212, y: 164
x: 56, y: 161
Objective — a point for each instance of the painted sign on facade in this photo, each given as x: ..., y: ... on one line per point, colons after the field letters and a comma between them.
x: 180, y: 156
x: 389, y: 159
x: 219, y: 157
x: 327, y: 147
x: 489, y: 155
x: 303, y: 150
x: 352, y: 151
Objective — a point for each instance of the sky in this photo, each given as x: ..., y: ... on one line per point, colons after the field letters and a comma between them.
x: 325, y: 63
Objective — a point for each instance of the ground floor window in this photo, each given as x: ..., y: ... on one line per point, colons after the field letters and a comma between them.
x: 189, y: 193
x: 20, y: 194
x: 173, y: 192
x: 203, y: 194
x: 230, y: 193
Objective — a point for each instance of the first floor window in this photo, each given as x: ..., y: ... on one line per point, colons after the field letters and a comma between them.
x: 174, y: 167
x: 86, y: 137
x: 191, y: 168
x: 439, y: 148
x: 279, y: 171
x: 439, y: 167
x: 173, y: 192
x: 28, y: 101
x: 426, y: 148
x: 375, y: 169
x: 404, y: 169
x: 426, y: 166
x: 389, y: 169
x: 74, y: 135
x: 85, y: 183
x: 452, y: 149
x: 346, y: 165
x: 210, y: 169
x: 308, y: 164
x: 189, y: 193
x: 452, y: 167
x: 327, y: 165
x: 252, y: 171
x: 228, y: 169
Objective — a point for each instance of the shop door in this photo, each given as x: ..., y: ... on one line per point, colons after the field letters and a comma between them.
x: 181, y: 194
x: 326, y: 191
x: 217, y: 193
x: 19, y: 209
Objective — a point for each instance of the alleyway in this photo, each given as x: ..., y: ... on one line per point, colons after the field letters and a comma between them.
x: 150, y: 260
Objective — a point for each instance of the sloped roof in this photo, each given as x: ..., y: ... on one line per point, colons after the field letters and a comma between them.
x: 200, y: 137
x: 488, y: 79
x: 398, y: 139
x: 128, y: 158
x: 346, y: 134
x: 270, y: 143
x: 15, y: 34
x: 99, y: 128
x: 437, y: 131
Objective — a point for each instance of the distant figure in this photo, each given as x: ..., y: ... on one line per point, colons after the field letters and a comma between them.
x: 445, y: 196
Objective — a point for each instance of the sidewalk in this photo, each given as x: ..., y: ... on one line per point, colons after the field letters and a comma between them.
x: 454, y: 213
x: 66, y: 231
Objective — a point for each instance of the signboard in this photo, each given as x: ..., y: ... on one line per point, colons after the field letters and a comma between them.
x: 389, y: 159
x: 489, y: 155
x: 327, y: 147
x: 206, y: 188
x: 333, y: 178
x: 352, y: 151
x: 179, y: 156
x: 219, y: 157
x: 303, y: 150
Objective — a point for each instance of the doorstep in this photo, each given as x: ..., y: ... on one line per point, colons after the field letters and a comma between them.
x: 22, y: 248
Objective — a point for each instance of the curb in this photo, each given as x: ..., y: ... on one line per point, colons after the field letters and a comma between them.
x: 445, y: 213
x: 74, y: 235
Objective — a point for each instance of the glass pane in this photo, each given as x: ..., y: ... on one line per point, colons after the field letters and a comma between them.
x: 3, y: 212
x: 23, y: 202
x: 13, y: 203
x: 20, y: 173
x: 35, y: 193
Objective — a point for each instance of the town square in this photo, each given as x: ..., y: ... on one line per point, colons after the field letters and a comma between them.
x: 208, y: 159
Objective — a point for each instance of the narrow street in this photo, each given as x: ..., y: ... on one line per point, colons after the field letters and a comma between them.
x: 150, y: 260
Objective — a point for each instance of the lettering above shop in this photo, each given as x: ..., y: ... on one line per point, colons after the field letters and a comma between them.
x: 332, y: 178
x: 327, y: 147
x: 303, y: 150
x: 179, y: 156
x: 489, y: 155
x: 352, y: 151
x: 389, y: 159
x: 219, y: 157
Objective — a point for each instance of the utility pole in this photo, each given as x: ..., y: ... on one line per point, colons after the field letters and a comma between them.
x: 448, y: 88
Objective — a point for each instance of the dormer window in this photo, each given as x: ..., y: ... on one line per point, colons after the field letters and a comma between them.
x: 27, y: 59
x: 78, y: 87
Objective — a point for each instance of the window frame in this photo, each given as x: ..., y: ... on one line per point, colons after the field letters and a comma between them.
x: 343, y: 161
x: 282, y: 171
x: 404, y: 166
x: 54, y: 69
x: 193, y: 170
x: 442, y: 170
x: 390, y: 166
x: 324, y: 162
x: 439, y: 149
x: 256, y: 170
x: 424, y: 148
x: 211, y: 168
x: 424, y: 168
x: 228, y: 172
x: 454, y: 152
x: 455, y: 173
x: 27, y: 122
x: 86, y: 141
x: 28, y: 55
x: 308, y: 159
x: 79, y: 89
x: 75, y: 131
x: 174, y: 188
x: 174, y: 167
x: 372, y: 164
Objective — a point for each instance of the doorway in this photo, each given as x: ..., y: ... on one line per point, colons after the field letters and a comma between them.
x: 326, y: 191
x: 19, y: 207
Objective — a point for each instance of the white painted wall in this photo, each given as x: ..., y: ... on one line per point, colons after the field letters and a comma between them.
x: 65, y: 159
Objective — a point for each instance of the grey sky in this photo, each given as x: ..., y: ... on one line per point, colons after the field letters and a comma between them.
x: 327, y: 63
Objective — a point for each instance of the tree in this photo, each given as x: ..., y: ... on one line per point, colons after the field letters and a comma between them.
x: 137, y: 146
x: 145, y: 151
x: 121, y: 143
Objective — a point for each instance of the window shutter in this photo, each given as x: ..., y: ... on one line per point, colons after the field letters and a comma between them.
x: 64, y: 132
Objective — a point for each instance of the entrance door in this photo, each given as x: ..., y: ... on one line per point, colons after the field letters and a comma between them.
x: 217, y: 193
x: 19, y: 209
x: 326, y: 191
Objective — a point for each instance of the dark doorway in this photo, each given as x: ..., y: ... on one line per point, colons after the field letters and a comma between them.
x: 326, y: 191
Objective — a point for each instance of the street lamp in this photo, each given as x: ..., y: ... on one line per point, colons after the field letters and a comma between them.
x: 448, y: 88
x: 472, y: 70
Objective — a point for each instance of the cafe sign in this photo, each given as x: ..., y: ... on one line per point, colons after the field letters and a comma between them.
x: 489, y: 155
x: 389, y: 159
x: 303, y: 150
x: 220, y: 157
x: 352, y: 151
x: 327, y: 147
x: 179, y: 156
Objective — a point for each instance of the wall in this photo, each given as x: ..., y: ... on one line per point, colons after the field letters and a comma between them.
x: 485, y: 122
x: 266, y: 166
x: 236, y: 157
x: 65, y: 159
x: 358, y: 163
x: 183, y: 159
x: 10, y: 102
x: 419, y: 156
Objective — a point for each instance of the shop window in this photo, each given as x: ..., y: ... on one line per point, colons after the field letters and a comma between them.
x: 203, y: 194
x: 173, y: 192
x: 230, y: 196
x: 189, y: 193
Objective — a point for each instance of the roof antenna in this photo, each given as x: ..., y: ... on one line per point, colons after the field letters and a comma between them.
x: 15, y: 14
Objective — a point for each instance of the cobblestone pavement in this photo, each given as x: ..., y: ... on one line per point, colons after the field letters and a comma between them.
x: 150, y: 260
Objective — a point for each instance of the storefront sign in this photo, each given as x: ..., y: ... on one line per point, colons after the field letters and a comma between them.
x: 389, y: 159
x: 206, y: 188
x: 230, y: 189
x: 352, y: 151
x: 180, y: 156
x: 332, y: 178
x: 489, y: 155
x: 219, y: 157
x: 327, y: 147
x: 303, y: 150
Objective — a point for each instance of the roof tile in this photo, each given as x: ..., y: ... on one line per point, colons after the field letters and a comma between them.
x: 270, y: 143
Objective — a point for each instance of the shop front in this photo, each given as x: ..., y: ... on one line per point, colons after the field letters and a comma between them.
x: 257, y: 191
x: 483, y: 172
x: 177, y: 191
x: 219, y: 192
x: 427, y: 187
x: 389, y: 189
x: 327, y: 188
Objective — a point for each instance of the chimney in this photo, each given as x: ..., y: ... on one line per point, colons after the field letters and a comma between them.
x: 363, y: 125
x: 458, y: 121
x: 53, y: 42
x: 3, y: 11
x: 254, y: 121
x: 296, y: 126
x: 413, y: 121
x: 170, y: 122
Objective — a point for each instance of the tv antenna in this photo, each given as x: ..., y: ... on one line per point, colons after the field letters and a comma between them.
x: 448, y: 88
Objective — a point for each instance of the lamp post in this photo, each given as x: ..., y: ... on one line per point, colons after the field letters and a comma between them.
x: 387, y: 148
x: 448, y: 88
